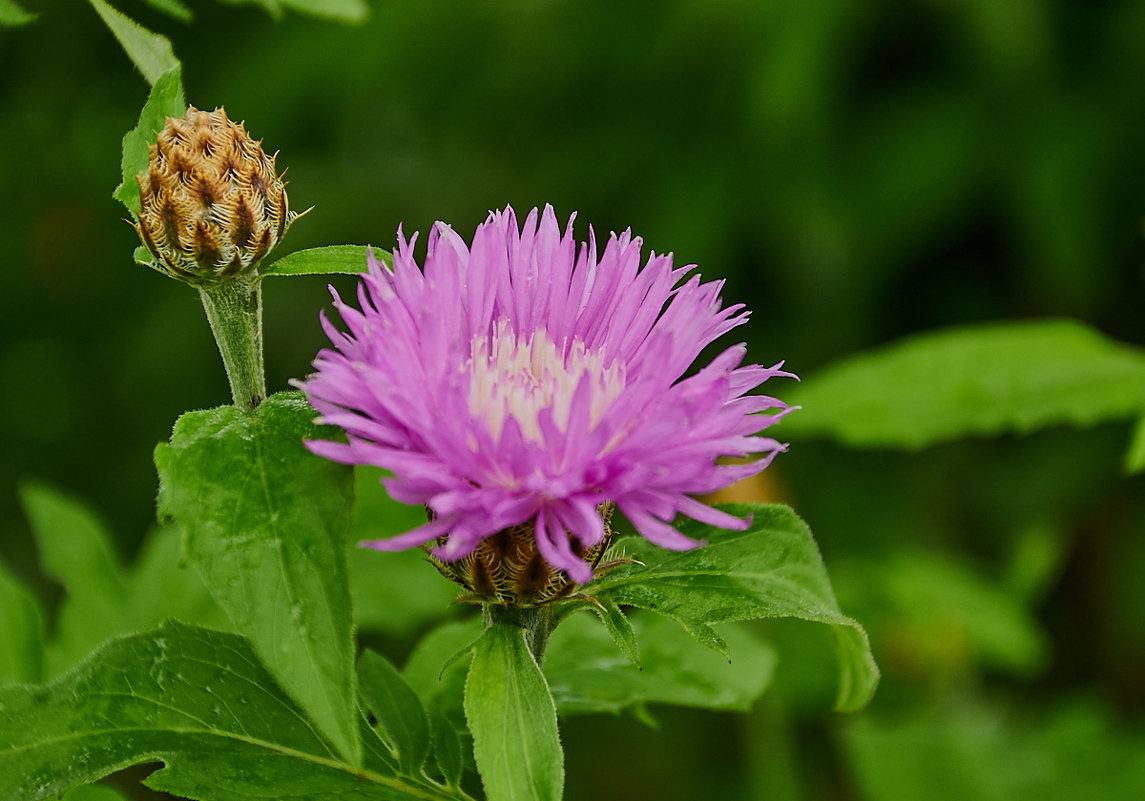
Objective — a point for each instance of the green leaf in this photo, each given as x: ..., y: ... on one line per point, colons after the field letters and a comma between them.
x: 201, y: 702
x: 619, y: 628
x: 102, y: 599
x: 166, y: 100
x: 1135, y: 458
x: 75, y: 551
x: 12, y: 14
x: 398, y: 592
x: 94, y: 792
x: 399, y: 714
x: 446, y: 747
x: 162, y: 584
x: 172, y: 8
x: 437, y: 667
x: 337, y: 10
x: 972, y: 381
x: 329, y: 260
x: 150, y: 52
x: 772, y: 569
x: 266, y: 524
x: 21, y: 633
x: 513, y: 720
x: 340, y: 10
x: 587, y: 674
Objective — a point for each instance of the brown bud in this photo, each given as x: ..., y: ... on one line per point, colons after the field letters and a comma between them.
x: 506, y: 568
x: 211, y: 204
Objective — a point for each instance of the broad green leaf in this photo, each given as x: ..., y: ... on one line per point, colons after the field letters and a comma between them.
x: 266, y: 524
x: 173, y: 8
x: 150, y: 52
x: 166, y: 100
x: 513, y: 720
x: 329, y: 260
x: 75, y: 551
x: 397, y: 710
x: 772, y: 569
x: 21, y: 633
x: 1135, y: 458
x: 972, y: 381
x: 12, y: 14
x: 587, y: 674
x: 398, y: 592
x: 162, y: 585
x: 201, y: 702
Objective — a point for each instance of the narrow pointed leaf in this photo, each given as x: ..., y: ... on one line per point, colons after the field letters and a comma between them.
x: 150, y: 52
x: 446, y: 748
x: 399, y: 714
x: 266, y: 524
x: 198, y: 701
x: 772, y: 569
x: 166, y: 100
x: 328, y: 260
x: 513, y: 720
x: 619, y: 629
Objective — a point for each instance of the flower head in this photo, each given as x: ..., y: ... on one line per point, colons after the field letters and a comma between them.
x: 211, y: 203
x: 522, y: 384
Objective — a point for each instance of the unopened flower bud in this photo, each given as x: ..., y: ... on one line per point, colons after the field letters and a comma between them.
x: 507, y: 568
x: 211, y: 204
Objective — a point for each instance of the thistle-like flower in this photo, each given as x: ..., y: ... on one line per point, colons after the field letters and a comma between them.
x: 211, y: 203
x: 521, y: 390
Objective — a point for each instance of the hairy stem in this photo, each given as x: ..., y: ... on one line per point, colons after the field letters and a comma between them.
x: 537, y: 621
x: 234, y: 309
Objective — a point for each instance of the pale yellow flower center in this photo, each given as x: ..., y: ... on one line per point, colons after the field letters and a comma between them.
x: 518, y: 377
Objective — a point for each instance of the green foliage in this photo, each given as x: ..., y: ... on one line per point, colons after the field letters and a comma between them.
x: 12, y: 14
x: 772, y: 569
x: 94, y: 792
x: 199, y: 701
x: 172, y: 8
x: 399, y: 715
x: 973, y: 381
x: 1135, y: 458
x: 587, y: 674
x: 165, y: 100
x: 149, y: 52
x: 102, y: 599
x: 338, y: 10
x: 968, y: 750
x: 266, y: 524
x: 329, y: 260
x: 397, y: 593
x: 21, y: 633
x: 513, y: 720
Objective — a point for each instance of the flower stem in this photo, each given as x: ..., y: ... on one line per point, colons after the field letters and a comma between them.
x: 537, y: 621
x: 234, y: 309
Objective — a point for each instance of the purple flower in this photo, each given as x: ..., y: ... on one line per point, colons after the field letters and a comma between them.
x: 521, y: 381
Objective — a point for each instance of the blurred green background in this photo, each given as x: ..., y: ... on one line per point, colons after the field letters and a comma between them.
x: 858, y: 170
